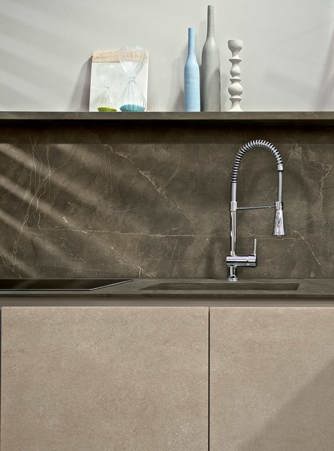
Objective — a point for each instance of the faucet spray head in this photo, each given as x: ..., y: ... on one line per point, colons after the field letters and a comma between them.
x: 279, y: 220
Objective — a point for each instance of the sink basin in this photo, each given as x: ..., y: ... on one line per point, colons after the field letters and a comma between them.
x: 228, y: 286
x: 57, y: 284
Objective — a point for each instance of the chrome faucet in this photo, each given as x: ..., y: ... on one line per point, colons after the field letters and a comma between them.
x: 233, y: 261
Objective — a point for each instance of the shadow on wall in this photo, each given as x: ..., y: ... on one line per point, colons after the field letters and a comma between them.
x: 303, y: 424
x: 136, y: 201
x: 80, y: 97
x: 325, y: 98
x: 32, y: 72
x: 177, y: 81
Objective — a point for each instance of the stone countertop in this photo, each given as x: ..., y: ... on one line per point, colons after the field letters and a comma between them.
x: 279, y: 289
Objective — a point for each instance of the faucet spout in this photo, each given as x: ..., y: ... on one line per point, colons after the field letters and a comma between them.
x: 233, y: 261
x: 279, y: 220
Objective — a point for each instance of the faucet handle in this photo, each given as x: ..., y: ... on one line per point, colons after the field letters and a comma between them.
x: 255, y: 247
x: 242, y: 260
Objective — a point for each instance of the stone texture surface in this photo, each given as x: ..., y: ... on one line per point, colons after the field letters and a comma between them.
x: 272, y: 376
x: 104, y: 379
x: 151, y: 199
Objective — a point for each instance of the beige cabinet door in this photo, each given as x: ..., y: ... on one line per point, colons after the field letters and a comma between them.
x: 104, y: 379
x: 272, y: 379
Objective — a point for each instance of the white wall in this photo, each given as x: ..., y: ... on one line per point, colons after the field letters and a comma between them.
x: 45, y: 47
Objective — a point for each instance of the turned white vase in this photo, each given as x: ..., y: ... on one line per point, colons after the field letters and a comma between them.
x: 235, y: 89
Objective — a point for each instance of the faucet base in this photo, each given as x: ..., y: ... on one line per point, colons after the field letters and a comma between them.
x: 232, y: 276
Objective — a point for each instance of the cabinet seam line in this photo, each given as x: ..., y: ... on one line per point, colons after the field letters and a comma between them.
x: 209, y: 372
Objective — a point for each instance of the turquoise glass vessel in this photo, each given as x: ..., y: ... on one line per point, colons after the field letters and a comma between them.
x: 192, y: 95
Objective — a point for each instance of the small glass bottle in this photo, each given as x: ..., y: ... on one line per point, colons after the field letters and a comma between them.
x: 132, y: 61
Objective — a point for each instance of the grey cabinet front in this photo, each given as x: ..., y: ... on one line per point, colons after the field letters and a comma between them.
x: 272, y: 379
x: 104, y: 378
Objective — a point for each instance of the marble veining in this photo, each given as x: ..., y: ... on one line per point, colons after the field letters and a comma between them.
x: 151, y: 200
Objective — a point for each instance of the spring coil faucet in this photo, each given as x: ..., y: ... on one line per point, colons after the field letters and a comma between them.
x: 233, y: 261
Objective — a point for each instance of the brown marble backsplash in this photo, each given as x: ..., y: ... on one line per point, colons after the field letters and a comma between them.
x: 152, y: 200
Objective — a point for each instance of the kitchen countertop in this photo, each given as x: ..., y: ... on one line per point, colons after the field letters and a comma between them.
x: 152, y: 288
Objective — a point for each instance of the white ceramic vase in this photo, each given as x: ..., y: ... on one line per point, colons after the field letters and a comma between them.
x: 235, y: 89
x: 210, y: 69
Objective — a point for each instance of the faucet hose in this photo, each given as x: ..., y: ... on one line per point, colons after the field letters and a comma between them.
x: 251, y: 145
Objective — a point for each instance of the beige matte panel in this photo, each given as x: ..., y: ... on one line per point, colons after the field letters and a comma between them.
x: 104, y: 379
x: 272, y: 379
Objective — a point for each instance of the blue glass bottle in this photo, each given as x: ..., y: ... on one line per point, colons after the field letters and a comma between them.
x: 192, y: 97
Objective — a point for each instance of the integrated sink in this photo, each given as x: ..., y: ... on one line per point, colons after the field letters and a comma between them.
x: 224, y: 286
x: 57, y: 284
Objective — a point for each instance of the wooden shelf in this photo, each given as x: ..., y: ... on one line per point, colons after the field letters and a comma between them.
x: 321, y: 118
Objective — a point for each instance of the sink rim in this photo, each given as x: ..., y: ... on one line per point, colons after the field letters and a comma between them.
x: 223, y: 285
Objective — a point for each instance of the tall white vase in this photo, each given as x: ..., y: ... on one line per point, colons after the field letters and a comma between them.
x: 210, y: 69
x: 235, y: 89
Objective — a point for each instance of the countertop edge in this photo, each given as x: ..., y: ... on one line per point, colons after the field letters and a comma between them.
x: 245, y: 116
x: 309, y: 289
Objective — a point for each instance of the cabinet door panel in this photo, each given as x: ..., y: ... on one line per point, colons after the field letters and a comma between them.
x: 272, y: 379
x: 101, y: 379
